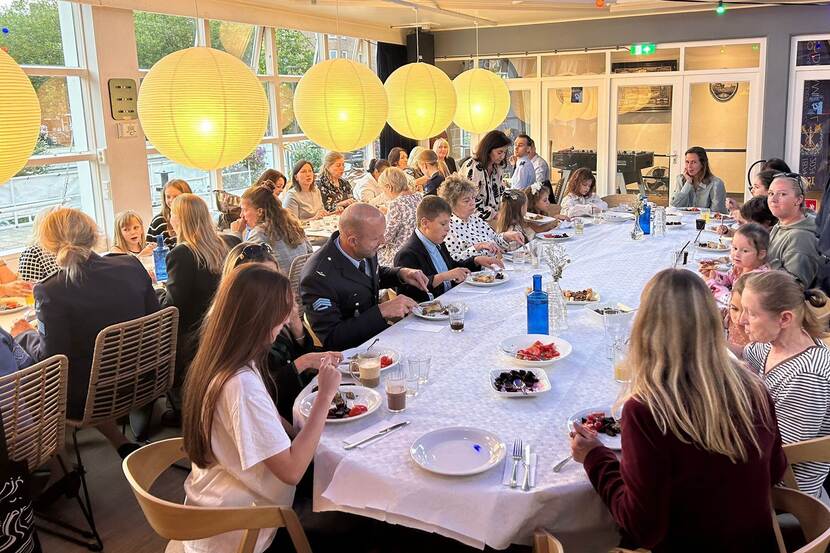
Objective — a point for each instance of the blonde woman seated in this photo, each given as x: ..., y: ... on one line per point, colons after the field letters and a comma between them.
x: 446, y: 163
x: 469, y: 235
x: 787, y: 353
x: 700, y: 447
x: 400, y: 214
x: 581, y: 194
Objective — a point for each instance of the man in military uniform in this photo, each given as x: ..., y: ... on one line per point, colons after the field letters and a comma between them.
x: 340, y: 282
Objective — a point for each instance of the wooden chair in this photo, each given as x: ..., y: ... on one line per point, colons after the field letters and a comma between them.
x: 811, y: 514
x: 187, y: 522
x: 543, y: 542
x: 554, y: 209
x: 294, y: 275
x: 132, y: 365
x: 614, y: 200
x: 817, y: 450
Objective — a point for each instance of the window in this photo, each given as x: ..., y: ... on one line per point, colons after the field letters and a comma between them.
x: 724, y: 56
x: 240, y: 176
x: 303, y: 149
x: 34, y: 32
x: 157, y: 35
x: 163, y: 170
x: 511, y: 68
x: 573, y: 64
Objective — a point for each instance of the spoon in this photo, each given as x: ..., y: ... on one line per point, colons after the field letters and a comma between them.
x: 520, y: 384
x: 347, y: 360
x: 562, y: 463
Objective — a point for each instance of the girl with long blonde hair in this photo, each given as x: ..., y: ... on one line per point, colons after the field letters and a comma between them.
x: 160, y: 225
x: 700, y: 445
x: 128, y: 235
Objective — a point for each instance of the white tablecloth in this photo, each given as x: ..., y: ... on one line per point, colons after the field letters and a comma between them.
x: 382, y: 481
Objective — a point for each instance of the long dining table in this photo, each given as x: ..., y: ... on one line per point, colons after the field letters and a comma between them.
x: 383, y: 482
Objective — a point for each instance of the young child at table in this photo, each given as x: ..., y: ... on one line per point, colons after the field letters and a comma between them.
x: 735, y: 332
x: 538, y: 202
x: 512, y: 213
x: 129, y: 235
x: 748, y: 255
x: 239, y: 450
x: 425, y: 250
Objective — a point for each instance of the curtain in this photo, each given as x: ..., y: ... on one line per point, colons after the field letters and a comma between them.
x: 391, y: 57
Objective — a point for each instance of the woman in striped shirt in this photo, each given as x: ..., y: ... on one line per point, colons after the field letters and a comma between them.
x: 160, y: 225
x: 787, y: 353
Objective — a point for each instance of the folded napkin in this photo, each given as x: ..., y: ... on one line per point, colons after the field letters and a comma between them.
x: 424, y: 327
x: 467, y: 290
x: 520, y: 472
x: 374, y: 429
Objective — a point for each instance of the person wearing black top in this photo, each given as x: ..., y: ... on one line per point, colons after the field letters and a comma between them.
x: 425, y: 250
x: 160, y: 224
x: 428, y: 164
x: 340, y: 282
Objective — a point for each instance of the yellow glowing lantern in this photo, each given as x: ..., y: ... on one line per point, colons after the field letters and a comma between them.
x: 421, y: 100
x: 19, y: 118
x: 483, y: 100
x: 341, y: 105
x: 202, y: 108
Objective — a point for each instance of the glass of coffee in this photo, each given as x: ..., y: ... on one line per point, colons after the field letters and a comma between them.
x: 395, y: 383
x: 700, y: 224
x: 366, y: 369
x: 457, y: 311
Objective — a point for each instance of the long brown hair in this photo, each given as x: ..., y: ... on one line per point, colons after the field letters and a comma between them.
x: 510, y: 211
x: 705, y: 172
x: 279, y: 223
x: 197, y: 232
x: 180, y: 185
x: 779, y: 291
x: 271, y: 175
x: 253, y: 300
x: 576, y: 178
x: 681, y: 369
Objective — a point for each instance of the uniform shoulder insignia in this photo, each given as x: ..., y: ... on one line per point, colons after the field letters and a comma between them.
x: 321, y: 273
x: 321, y: 304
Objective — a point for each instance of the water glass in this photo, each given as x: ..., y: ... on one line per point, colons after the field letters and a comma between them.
x: 596, y: 215
x: 457, y: 311
x: 658, y: 226
x: 413, y: 378
x: 579, y: 225
x: 519, y: 256
x: 421, y: 363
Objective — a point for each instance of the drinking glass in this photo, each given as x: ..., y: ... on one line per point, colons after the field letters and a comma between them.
x: 457, y: 311
x: 621, y: 370
x: 579, y: 225
x: 413, y: 378
x: 614, y: 325
x: 395, y: 383
x: 366, y: 369
x: 596, y: 215
x: 519, y: 256
x: 421, y: 363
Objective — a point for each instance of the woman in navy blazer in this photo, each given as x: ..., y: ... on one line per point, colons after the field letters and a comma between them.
x: 425, y: 250
x: 86, y: 295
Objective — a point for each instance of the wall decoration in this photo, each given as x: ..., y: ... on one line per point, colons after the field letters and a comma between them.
x: 723, y: 92
x: 814, y: 152
x: 653, y: 66
x: 644, y: 99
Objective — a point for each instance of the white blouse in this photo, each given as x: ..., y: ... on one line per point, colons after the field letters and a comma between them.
x: 366, y: 188
x: 573, y: 205
x: 464, y: 235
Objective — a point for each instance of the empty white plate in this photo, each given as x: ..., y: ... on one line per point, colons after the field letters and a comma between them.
x: 457, y: 451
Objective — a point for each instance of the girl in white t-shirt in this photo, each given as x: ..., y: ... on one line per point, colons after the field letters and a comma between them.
x: 239, y: 449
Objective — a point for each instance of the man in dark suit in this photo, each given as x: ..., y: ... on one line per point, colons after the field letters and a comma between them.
x: 340, y: 282
x: 425, y: 250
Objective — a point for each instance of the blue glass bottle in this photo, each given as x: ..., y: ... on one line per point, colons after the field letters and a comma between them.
x: 160, y: 259
x: 645, y: 216
x: 537, y: 308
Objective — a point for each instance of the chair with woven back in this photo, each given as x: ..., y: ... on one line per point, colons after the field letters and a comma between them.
x: 294, y: 273
x: 132, y: 365
x: 615, y: 200
x: 179, y: 523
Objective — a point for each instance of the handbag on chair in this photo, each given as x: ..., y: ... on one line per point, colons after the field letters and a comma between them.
x: 17, y: 516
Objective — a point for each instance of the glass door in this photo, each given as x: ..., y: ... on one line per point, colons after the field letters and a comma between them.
x: 645, y: 132
x: 574, y: 130
x: 721, y: 117
x: 809, y: 143
x: 521, y: 118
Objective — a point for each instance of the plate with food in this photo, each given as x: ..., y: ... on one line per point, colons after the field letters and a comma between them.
x: 538, y: 219
x: 388, y: 358
x: 349, y: 404
x: 519, y: 382
x: 712, y: 246
x: 12, y: 305
x: 603, y: 421
x: 617, y: 216
x: 609, y: 309
x: 722, y: 217
x: 487, y: 278
x: 458, y: 451
x: 554, y: 236
x: 674, y: 221
x: 580, y: 297
x: 535, y: 350
x: 432, y: 311
x: 690, y: 210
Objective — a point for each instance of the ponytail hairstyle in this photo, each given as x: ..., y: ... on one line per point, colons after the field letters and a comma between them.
x: 779, y: 291
x: 69, y: 234
x: 510, y: 211
x: 279, y: 224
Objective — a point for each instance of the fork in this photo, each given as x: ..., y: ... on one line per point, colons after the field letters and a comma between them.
x: 430, y: 296
x: 517, y: 456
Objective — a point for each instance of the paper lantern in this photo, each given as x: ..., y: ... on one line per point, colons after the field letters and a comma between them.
x: 421, y: 100
x: 341, y: 105
x: 202, y: 108
x: 19, y: 118
x: 483, y: 100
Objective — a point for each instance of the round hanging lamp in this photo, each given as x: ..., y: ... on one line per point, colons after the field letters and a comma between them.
x: 483, y: 100
x: 19, y: 118
x: 421, y: 100
x: 340, y: 104
x: 203, y: 108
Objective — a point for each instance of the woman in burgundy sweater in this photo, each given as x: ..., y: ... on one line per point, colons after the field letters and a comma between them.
x: 700, y: 445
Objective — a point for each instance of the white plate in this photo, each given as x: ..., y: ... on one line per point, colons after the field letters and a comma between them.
x: 541, y: 387
x: 620, y: 209
x: 626, y: 310
x: 457, y: 451
x: 611, y: 442
x: 538, y: 219
x: 496, y: 282
x: 690, y: 211
x: 595, y: 300
x: 549, y: 236
x: 436, y: 317
x: 617, y: 216
x: 725, y: 249
x: 363, y: 396
x: 395, y: 355
x: 509, y: 347
x: 22, y: 307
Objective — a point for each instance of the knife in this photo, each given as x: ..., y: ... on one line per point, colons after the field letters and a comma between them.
x: 526, y: 463
x: 377, y: 434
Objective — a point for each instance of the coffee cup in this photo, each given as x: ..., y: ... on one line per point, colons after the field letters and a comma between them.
x: 365, y: 368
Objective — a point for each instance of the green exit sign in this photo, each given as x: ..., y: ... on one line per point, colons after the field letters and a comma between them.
x: 642, y: 49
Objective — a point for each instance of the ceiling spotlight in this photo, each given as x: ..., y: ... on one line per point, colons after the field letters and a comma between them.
x: 721, y: 9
